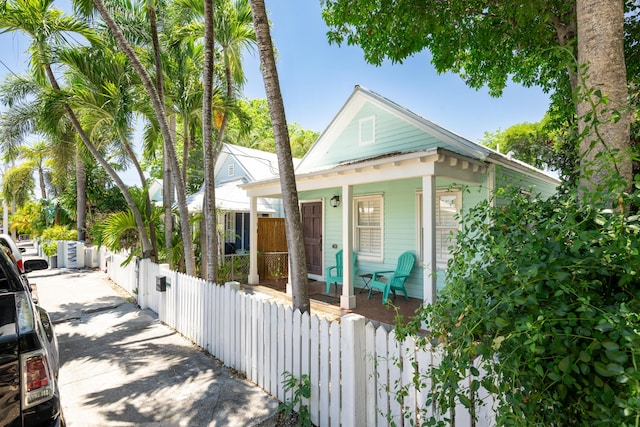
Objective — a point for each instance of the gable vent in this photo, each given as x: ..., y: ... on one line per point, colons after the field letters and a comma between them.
x: 367, y: 130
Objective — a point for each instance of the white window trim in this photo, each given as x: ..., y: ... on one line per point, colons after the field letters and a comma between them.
x: 356, y: 243
x: 230, y: 227
x: 363, y: 122
x: 420, y: 225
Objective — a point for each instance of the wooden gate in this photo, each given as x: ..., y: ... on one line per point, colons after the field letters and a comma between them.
x: 273, y: 259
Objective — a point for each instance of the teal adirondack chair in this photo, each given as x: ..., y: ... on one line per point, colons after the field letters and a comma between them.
x: 393, y: 280
x: 333, y: 274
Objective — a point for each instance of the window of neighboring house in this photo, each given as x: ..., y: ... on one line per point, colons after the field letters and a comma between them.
x: 367, y: 130
x: 230, y: 227
x: 368, y: 227
x: 231, y: 170
x: 448, y: 204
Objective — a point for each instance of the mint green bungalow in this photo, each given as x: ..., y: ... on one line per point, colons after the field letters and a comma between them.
x: 381, y: 180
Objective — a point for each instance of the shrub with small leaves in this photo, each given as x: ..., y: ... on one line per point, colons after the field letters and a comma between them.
x: 545, y: 296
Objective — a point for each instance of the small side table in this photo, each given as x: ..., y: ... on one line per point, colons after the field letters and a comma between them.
x: 366, y: 279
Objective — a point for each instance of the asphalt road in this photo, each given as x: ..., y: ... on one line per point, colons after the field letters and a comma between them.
x: 122, y: 367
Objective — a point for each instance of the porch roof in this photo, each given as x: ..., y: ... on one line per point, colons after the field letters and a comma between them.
x: 388, y: 167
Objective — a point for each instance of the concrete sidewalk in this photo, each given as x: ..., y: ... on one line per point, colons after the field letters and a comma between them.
x: 121, y: 367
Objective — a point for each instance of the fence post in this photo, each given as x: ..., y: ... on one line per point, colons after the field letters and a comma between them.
x: 143, y: 289
x: 353, y: 370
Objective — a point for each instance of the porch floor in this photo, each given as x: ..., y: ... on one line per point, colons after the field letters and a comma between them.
x: 330, y: 307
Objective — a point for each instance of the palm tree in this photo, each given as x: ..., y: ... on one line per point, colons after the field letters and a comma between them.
x: 159, y: 109
x: 105, y: 95
x: 293, y: 223
x: 36, y: 155
x: 46, y: 26
x: 209, y: 205
x: 233, y: 33
x: 30, y: 108
x: 17, y: 184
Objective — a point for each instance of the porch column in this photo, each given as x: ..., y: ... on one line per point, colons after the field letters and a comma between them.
x: 429, y: 237
x: 253, y: 278
x: 348, y: 298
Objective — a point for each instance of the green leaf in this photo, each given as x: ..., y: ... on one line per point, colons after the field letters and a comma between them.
x: 615, y: 369
x: 617, y: 356
x: 565, y: 364
x: 500, y: 322
x: 465, y: 401
x: 604, y: 327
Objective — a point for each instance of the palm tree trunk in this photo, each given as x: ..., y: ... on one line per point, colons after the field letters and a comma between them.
x: 147, y: 199
x: 158, y: 108
x: 293, y: 223
x: 43, y: 187
x: 146, y: 243
x: 186, y: 145
x: 209, y: 206
x: 81, y: 197
x: 167, y: 198
x: 601, y: 23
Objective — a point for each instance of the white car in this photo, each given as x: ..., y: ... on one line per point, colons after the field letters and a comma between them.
x: 7, y: 241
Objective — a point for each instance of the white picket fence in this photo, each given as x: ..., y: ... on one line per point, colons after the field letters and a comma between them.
x: 354, y: 367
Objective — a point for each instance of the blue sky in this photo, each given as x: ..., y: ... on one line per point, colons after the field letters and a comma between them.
x: 317, y: 78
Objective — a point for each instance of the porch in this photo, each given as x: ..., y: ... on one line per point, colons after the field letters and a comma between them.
x: 329, y: 305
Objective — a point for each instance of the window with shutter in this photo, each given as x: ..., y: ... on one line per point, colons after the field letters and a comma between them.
x: 447, y: 208
x: 368, y: 227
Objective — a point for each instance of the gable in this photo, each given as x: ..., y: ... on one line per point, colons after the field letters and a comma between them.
x: 371, y: 126
x: 230, y: 170
x: 236, y: 162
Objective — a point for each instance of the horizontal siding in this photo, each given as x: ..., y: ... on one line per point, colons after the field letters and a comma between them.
x: 506, y: 178
x: 392, y: 135
x: 400, y: 223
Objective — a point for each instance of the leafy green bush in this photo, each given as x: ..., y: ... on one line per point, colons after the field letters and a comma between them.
x: 545, y: 296
x: 301, y: 391
x: 51, y: 235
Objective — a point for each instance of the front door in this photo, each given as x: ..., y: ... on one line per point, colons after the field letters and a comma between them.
x: 312, y: 231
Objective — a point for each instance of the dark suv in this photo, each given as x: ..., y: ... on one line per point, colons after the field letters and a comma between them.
x: 29, y: 359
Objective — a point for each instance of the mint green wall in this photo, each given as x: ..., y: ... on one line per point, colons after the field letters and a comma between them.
x: 392, y: 134
x: 507, y: 177
x: 400, y: 223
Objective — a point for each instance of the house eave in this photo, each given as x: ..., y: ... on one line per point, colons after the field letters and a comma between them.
x: 435, y: 161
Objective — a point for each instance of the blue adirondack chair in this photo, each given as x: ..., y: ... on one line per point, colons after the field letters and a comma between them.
x: 393, y: 280
x: 333, y: 274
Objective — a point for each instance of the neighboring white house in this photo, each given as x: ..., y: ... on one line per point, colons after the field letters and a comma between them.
x: 235, y: 166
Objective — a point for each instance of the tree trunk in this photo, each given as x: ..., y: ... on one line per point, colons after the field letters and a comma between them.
x: 293, y: 223
x: 158, y: 107
x: 209, y: 205
x: 81, y: 197
x: 147, y: 200
x: 167, y: 197
x: 604, y: 146
x: 142, y: 231
x: 43, y: 186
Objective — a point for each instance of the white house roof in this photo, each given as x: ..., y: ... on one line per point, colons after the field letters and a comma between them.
x: 229, y: 197
x: 258, y: 164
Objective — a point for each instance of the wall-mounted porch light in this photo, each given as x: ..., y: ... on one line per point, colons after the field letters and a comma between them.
x: 335, y: 201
